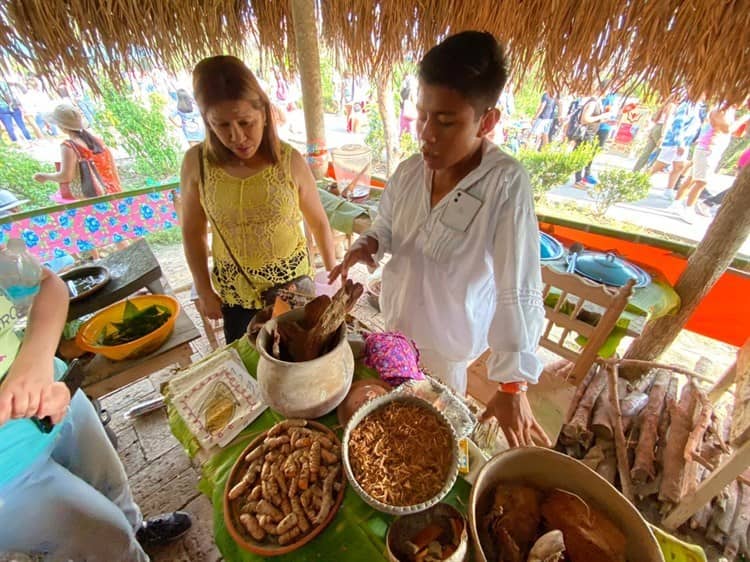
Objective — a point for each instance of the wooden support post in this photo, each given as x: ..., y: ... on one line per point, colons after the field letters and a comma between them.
x: 308, y: 62
x: 710, y: 487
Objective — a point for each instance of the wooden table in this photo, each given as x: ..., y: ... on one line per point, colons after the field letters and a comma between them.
x: 132, y: 268
x: 103, y: 376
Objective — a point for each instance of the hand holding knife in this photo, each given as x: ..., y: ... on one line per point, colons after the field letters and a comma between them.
x: 73, y: 379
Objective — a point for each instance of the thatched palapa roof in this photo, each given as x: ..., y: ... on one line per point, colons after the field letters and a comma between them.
x: 701, y: 44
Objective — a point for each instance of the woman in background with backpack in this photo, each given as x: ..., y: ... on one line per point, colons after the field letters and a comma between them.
x: 583, y: 127
x: 81, y: 152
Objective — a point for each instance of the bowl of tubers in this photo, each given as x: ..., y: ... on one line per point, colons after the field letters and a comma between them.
x: 285, y: 488
x: 538, y: 505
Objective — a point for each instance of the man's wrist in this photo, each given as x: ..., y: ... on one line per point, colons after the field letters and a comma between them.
x: 513, y: 387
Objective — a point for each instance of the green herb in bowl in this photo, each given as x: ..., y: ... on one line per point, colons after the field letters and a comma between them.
x: 135, y: 324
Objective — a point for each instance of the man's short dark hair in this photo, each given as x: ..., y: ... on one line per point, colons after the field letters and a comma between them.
x: 471, y: 63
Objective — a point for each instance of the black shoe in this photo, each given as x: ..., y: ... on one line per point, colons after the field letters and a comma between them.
x: 163, y: 528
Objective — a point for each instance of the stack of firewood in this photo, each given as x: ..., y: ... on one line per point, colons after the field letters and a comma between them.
x: 670, y: 440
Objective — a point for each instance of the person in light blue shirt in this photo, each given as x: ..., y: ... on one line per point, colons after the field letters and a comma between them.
x: 64, y: 494
x: 685, y: 124
x: 611, y: 104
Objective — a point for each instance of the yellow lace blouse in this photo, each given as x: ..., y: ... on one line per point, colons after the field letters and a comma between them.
x: 260, y: 219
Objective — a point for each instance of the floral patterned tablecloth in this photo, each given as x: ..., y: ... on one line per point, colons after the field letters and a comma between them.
x: 75, y: 229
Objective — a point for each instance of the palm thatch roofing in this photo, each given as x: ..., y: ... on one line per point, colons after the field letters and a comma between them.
x: 700, y: 44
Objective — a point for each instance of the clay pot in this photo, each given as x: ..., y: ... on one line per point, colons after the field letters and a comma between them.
x: 305, y: 389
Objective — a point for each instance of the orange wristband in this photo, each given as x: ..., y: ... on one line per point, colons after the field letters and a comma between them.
x: 513, y: 387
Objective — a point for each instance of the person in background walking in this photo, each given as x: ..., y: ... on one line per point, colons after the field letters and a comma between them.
x: 408, y: 118
x: 540, y: 130
x: 591, y: 115
x: 188, y: 118
x: 655, y: 137
x: 674, y: 147
x: 611, y: 106
x: 10, y: 112
x: 37, y: 104
x: 712, y: 142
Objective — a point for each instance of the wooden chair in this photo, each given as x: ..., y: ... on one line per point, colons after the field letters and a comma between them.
x: 736, y: 465
x: 551, y: 396
x: 579, y: 297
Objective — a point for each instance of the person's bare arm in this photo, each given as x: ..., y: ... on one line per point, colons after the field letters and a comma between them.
x: 67, y: 168
x: 29, y: 389
x: 195, y: 233
x: 588, y: 117
x: 539, y: 109
x: 312, y: 209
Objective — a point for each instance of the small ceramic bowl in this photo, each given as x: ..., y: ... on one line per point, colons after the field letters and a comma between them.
x: 404, y: 529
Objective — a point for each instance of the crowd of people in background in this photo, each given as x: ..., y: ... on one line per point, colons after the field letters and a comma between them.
x: 685, y: 138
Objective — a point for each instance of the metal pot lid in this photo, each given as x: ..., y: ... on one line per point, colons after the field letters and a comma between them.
x: 609, y: 269
x: 550, y: 248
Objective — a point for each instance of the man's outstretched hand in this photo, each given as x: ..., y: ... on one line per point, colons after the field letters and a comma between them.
x: 362, y: 251
x: 516, y: 419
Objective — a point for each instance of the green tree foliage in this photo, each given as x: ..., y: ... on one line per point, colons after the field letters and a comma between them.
x: 143, y: 132
x: 375, y: 138
x: 17, y: 170
x: 527, y: 95
x: 330, y: 101
x: 553, y: 165
x: 618, y: 186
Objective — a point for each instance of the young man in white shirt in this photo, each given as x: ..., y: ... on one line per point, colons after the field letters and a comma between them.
x: 458, y: 220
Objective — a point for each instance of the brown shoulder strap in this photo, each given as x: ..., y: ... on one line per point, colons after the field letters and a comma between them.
x: 200, y: 164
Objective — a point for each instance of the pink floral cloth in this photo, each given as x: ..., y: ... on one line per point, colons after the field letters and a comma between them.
x: 393, y: 356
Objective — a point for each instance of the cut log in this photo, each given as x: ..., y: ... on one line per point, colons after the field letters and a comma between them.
x: 607, y: 468
x: 713, y: 441
x: 621, y: 448
x: 670, y: 399
x: 633, y: 404
x: 580, y: 390
x: 643, y: 466
x: 681, y: 416
x: 728, y: 508
x: 601, y: 421
x: 694, y: 443
x: 576, y: 431
x: 646, y: 382
x: 737, y: 536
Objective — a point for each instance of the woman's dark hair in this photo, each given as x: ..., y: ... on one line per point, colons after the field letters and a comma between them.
x: 226, y: 78
x: 91, y: 142
x: 184, y: 101
x: 472, y: 63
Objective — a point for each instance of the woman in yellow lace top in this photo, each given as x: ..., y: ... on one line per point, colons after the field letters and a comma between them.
x: 254, y: 191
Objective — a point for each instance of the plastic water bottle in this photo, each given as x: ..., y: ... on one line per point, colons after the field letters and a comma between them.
x: 20, y: 276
